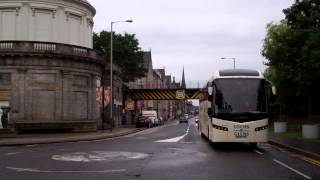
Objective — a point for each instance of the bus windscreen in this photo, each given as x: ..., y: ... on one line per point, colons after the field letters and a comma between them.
x: 240, y: 99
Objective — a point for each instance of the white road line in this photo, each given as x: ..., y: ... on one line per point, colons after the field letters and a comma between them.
x: 178, y: 149
x: 13, y: 153
x: 176, y: 139
x: 32, y: 145
x: 186, y: 142
x: 292, y: 169
x: 48, y: 171
x: 258, y: 152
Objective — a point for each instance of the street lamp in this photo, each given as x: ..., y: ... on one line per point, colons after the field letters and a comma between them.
x: 111, y: 73
x: 234, y: 61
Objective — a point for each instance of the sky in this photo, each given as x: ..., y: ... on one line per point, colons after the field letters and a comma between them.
x: 194, y: 34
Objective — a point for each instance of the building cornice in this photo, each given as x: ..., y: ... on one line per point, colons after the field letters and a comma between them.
x: 86, y: 4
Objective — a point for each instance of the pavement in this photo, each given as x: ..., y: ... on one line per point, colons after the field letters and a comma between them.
x: 29, y: 139
x: 48, y: 138
x: 302, y: 146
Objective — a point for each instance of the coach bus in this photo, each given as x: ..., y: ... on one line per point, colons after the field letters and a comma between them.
x: 234, y: 107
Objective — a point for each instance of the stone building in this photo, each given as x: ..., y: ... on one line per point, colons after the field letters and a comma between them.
x: 156, y: 79
x: 145, y: 82
x: 48, y: 70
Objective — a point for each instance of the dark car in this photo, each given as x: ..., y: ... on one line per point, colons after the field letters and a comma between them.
x: 144, y: 121
x: 183, y: 120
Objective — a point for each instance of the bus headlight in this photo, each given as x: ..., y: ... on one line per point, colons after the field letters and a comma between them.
x: 219, y: 127
x: 261, y: 128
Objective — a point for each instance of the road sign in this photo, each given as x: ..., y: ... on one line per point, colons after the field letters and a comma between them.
x: 130, y: 105
x: 180, y: 94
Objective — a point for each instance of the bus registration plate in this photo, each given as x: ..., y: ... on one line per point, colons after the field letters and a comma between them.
x: 239, y: 134
x: 241, y: 131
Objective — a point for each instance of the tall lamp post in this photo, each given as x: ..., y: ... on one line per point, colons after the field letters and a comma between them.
x: 111, y: 69
x: 234, y: 61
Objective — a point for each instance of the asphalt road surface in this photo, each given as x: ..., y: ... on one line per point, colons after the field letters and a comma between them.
x: 170, y: 152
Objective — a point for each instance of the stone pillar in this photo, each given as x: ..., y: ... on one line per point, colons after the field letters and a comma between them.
x: 67, y: 78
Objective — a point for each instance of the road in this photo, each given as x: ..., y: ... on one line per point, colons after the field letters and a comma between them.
x: 171, y: 152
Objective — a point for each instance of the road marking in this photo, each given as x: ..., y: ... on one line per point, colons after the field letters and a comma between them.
x: 13, y: 153
x: 176, y: 139
x: 32, y: 145
x: 98, y: 156
x: 186, y: 142
x: 258, y: 152
x: 49, y: 171
x: 292, y: 169
x: 178, y: 149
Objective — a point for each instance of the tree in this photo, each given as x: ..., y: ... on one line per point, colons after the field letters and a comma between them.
x: 303, y: 14
x: 126, y: 53
x: 292, y: 48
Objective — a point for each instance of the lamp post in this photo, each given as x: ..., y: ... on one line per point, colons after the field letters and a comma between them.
x: 234, y: 61
x: 111, y: 69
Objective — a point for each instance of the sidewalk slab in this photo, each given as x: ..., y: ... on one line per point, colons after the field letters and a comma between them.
x: 28, y: 139
x: 298, y: 145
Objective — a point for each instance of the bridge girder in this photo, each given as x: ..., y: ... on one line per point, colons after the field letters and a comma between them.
x: 165, y: 94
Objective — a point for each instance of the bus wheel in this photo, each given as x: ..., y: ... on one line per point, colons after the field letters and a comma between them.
x: 253, y: 145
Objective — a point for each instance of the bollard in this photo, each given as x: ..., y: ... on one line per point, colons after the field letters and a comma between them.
x: 310, y: 131
x: 280, y: 127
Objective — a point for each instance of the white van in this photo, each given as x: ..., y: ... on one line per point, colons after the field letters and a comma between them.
x: 152, y: 114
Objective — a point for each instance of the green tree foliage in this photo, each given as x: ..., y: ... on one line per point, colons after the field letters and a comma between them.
x: 126, y: 53
x: 292, y: 48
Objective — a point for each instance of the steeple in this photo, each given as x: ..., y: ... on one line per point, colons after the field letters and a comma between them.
x: 183, y: 81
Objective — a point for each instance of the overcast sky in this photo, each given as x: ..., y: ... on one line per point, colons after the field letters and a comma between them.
x: 194, y: 33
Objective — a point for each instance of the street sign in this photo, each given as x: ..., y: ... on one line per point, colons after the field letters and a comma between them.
x: 130, y: 105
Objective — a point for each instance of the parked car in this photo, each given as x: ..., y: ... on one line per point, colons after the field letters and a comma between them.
x: 144, y: 121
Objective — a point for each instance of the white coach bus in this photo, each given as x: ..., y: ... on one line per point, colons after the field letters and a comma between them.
x: 234, y: 107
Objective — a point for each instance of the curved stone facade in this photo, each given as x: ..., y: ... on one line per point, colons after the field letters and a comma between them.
x: 48, y: 70
x: 50, y: 86
x: 58, y: 21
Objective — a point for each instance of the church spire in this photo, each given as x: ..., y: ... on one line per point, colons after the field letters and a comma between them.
x: 183, y: 81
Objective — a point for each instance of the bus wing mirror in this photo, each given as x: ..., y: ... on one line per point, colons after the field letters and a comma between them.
x: 210, y: 91
x: 274, y: 90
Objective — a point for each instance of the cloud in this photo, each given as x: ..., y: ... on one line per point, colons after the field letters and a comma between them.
x: 195, y: 33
